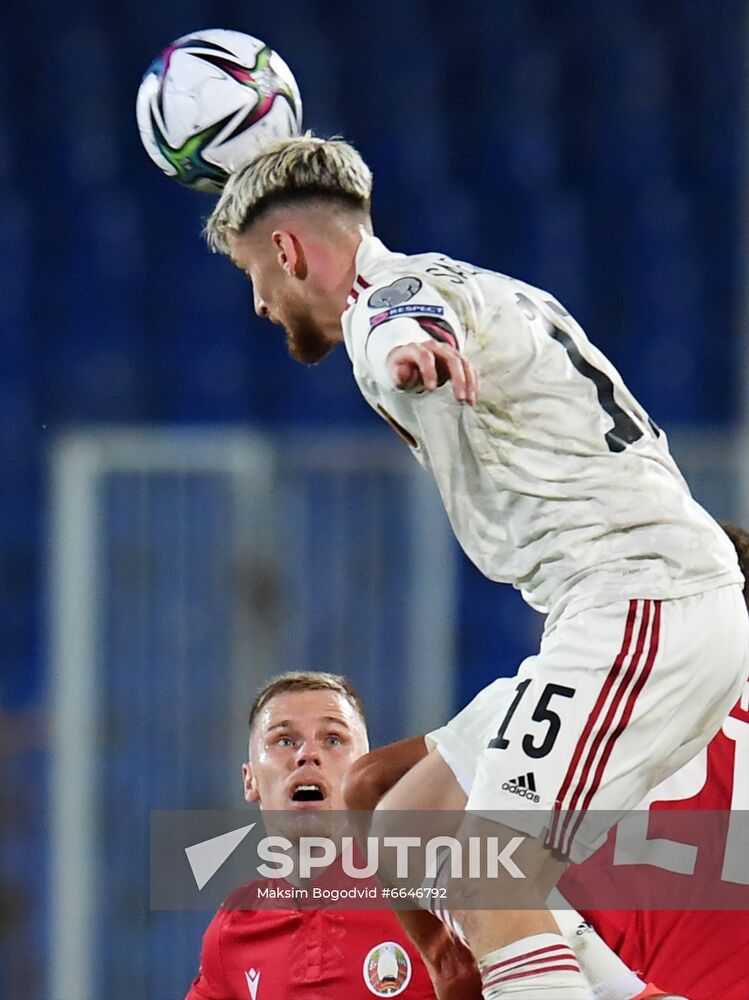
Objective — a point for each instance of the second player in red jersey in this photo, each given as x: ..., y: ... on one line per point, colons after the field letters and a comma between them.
x: 284, y: 954
x: 701, y: 953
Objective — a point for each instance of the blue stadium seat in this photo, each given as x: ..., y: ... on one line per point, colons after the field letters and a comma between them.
x: 593, y: 148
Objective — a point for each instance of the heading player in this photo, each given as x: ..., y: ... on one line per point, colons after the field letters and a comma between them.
x: 555, y: 480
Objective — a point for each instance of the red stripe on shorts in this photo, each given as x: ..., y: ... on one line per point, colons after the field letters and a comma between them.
x: 592, y: 720
x: 608, y: 721
x: 626, y: 716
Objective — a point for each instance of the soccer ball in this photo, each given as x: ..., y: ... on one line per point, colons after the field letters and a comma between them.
x: 209, y: 102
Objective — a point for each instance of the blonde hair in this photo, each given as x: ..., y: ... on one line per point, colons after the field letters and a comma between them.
x: 307, y: 680
x: 288, y: 170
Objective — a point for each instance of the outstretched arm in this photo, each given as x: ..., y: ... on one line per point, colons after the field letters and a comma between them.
x: 376, y: 772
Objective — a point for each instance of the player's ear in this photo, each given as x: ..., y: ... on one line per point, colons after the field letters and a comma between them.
x: 290, y: 253
x: 251, y: 793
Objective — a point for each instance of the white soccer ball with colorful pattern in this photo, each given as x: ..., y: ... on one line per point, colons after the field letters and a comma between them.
x: 209, y: 102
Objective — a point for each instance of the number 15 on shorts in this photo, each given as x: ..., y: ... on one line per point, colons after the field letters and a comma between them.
x: 540, y: 740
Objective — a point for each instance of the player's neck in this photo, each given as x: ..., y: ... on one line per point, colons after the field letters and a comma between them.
x: 338, y: 279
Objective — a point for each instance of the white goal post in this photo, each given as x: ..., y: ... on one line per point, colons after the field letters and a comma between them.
x: 185, y: 567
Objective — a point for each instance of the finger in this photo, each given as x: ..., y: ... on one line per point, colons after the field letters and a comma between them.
x: 458, y: 370
x: 403, y: 368
x: 428, y: 368
x: 406, y: 374
x: 471, y: 378
x: 457, y: 376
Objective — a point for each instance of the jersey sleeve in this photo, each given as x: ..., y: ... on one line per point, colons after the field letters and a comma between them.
x: 403, y: 311
x: 211, y: 982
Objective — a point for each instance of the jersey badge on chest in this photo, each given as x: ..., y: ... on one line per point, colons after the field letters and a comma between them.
x: 387, y: 970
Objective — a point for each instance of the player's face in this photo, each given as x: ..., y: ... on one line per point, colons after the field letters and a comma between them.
x: 301, y: 746
x: 280, y: 296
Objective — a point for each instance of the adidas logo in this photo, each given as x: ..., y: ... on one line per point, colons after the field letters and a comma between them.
x: 524, y: 786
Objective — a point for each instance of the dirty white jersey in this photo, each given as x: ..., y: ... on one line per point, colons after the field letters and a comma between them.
x: 557, y: 481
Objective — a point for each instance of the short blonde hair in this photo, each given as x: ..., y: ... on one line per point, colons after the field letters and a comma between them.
x: 307, y: 680
x: 289, y: 170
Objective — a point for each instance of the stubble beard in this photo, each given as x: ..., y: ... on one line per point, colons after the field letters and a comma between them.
x: 307, y: 343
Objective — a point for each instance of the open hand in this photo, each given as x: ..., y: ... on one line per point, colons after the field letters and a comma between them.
x: 431, y: 364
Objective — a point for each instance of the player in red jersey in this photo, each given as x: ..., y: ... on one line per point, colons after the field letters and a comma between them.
x: 306, y: 729
x: 702, y: 953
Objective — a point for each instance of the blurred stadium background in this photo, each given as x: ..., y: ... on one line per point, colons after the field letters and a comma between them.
x: 185, y: 511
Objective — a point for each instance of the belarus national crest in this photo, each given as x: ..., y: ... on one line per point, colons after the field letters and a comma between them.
x: 387, y: 969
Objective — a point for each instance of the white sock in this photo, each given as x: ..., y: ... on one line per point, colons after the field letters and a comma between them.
x: 624, y: 988
x: 610, y: 978
x: 539, y: 967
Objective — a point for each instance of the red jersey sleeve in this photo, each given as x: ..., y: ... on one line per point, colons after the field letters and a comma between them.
x: 211, y: 982
x: 700, y: 953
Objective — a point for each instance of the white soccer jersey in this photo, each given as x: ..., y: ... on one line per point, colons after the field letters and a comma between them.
x: 557, y: 481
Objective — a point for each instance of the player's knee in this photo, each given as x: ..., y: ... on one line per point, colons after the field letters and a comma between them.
x: 364, y: 783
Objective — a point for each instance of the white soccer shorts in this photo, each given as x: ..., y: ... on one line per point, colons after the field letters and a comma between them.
x: 617, y: 699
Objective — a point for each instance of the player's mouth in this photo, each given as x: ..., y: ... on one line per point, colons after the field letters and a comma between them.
x: 308, y: 794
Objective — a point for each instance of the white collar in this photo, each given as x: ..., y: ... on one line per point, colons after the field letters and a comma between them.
x: 371, y: 249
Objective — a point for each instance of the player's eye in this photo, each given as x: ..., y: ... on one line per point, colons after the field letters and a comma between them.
x: 335, y: 740
x: 284, y: 741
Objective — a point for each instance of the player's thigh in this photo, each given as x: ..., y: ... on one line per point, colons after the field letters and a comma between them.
x: 614, y: 701
x: 700, y: 672
x: 463, y: 738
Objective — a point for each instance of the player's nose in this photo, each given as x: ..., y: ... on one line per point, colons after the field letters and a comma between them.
x: 308, y: 753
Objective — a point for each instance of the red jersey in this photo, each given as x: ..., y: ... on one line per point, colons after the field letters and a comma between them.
x: 304, y: 954
x: 703, y: 954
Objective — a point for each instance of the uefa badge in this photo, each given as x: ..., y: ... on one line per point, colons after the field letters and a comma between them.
x: 387, y: 969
